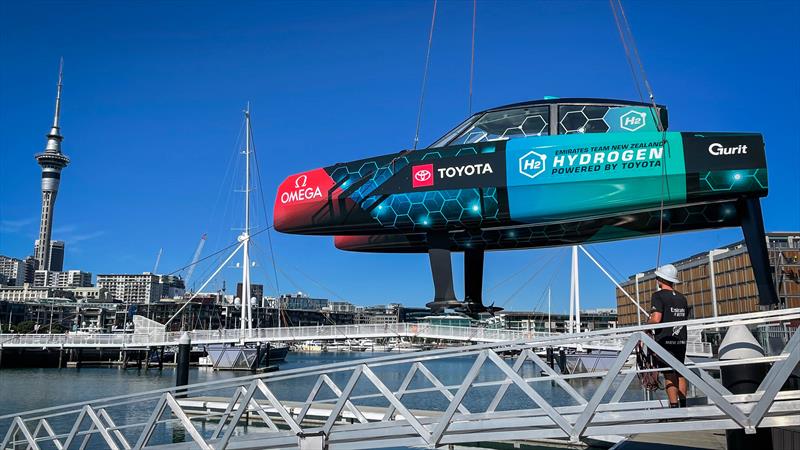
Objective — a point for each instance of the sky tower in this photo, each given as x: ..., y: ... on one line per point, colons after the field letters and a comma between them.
x: 52, y: 161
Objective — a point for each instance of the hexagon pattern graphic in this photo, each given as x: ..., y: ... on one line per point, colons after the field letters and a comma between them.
x: 524, y: 123
x: 419, y: 210
x: 583, y: 119
x: 675, y: 219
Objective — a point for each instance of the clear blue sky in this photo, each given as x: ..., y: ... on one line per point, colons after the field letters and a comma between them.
x: 154, y: 91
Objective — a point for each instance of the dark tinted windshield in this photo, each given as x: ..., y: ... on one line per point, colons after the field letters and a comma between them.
x: 497, y: 125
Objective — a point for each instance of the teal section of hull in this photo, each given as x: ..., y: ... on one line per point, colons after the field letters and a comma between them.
x: 563, y: 177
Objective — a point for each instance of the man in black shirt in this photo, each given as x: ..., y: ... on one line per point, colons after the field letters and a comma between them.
x: 670, y: 305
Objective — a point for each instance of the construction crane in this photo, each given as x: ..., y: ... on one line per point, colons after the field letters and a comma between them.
x: 158, y: 259
x: 194, y: 260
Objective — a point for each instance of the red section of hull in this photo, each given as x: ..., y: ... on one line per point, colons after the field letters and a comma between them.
x: 301, y: 198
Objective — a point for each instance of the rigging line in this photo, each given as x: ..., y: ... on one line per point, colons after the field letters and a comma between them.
x: 664, y: 181
x: 513, y: 275
x: 425, y: 75
x: 556, y: 272
x: 607, y: 261
x: 627, y: 51
x: 318, y: 283
x: 472, y: 55
x: 230, y: 168
x: 266, y: 219
x: 542, y: 296
x: 259, y: 251
x: 218, y: 252
x: 291, y: 281
x: 209, y: 269
x: 636, y: 54
x: 529, y: 280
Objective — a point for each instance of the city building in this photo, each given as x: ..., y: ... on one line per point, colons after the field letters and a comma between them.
x: 26, y: 293
x: 720, y: 281
x: 340, y: 307
x: 30, y: 269
x: 256, y: 291
x: 90, y: 294
x: 70, y: 278
x: 450, y: 320
x: 132, y: 288
x: 592, y: 319
x: 302, y: 301
x: 52, y: 161
x: 12, y: 270
x: 172, y: 286
x: 56, y: 254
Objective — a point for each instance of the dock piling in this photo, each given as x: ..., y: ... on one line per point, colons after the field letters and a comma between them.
x: 182, y: 359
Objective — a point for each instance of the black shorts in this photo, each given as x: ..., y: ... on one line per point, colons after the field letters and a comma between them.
x: 676, y: 349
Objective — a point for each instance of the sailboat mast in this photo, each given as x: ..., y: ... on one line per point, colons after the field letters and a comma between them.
x: 577, y: 295
x: 571, y: 323
x: 549, y: 323
x: 247, y: 320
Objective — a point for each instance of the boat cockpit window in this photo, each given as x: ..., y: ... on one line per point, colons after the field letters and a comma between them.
x: 603, y: 118
x: 497, y: 125
x: 582, y: 119
x: 535, y: 120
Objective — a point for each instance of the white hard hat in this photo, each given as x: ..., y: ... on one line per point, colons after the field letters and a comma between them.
x: 668, y: 272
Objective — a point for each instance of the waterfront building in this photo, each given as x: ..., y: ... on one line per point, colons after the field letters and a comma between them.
x: 90, y: 294
x: 256, y: 291
x: 720, y: 281
x: 27, y: 292
x: 592, y: 319
x: 56, y: 254
x: 172, y: 286
x: 132, y: 288
x: 52, y: 162
x: 12, y: 269
x: 340, y: 307
x: 70, y: 278
x: 302, y: 301
x: 66, y: 312
x: 450, y: 320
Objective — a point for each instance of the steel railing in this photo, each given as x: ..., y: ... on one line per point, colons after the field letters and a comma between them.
x: 346, y: 416
x: 294, y: 334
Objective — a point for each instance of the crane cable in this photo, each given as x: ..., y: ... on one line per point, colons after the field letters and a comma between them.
x: 625, y: 32
x: 645, y: 359
x: 472, y: 54
x: 425, y: 74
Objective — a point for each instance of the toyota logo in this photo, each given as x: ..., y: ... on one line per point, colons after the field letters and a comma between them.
x: 300, y: 182
x: 422, y: 175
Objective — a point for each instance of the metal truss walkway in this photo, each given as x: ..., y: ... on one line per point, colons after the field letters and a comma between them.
x: 293, y: 334
x: 485, y: 392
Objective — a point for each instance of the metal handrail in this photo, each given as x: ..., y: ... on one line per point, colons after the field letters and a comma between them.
x: 329, y: 331
x: 764, y: 408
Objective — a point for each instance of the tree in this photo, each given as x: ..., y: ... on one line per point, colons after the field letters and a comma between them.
x: 25, y: 327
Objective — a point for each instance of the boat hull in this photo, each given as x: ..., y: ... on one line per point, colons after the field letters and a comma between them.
x: 528, y: 192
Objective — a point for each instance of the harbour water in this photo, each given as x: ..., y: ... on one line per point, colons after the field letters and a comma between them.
x: 27, y: 389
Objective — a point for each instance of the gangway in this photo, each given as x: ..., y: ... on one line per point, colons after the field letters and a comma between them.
x: 154, y: 336
x: 269, y: 411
